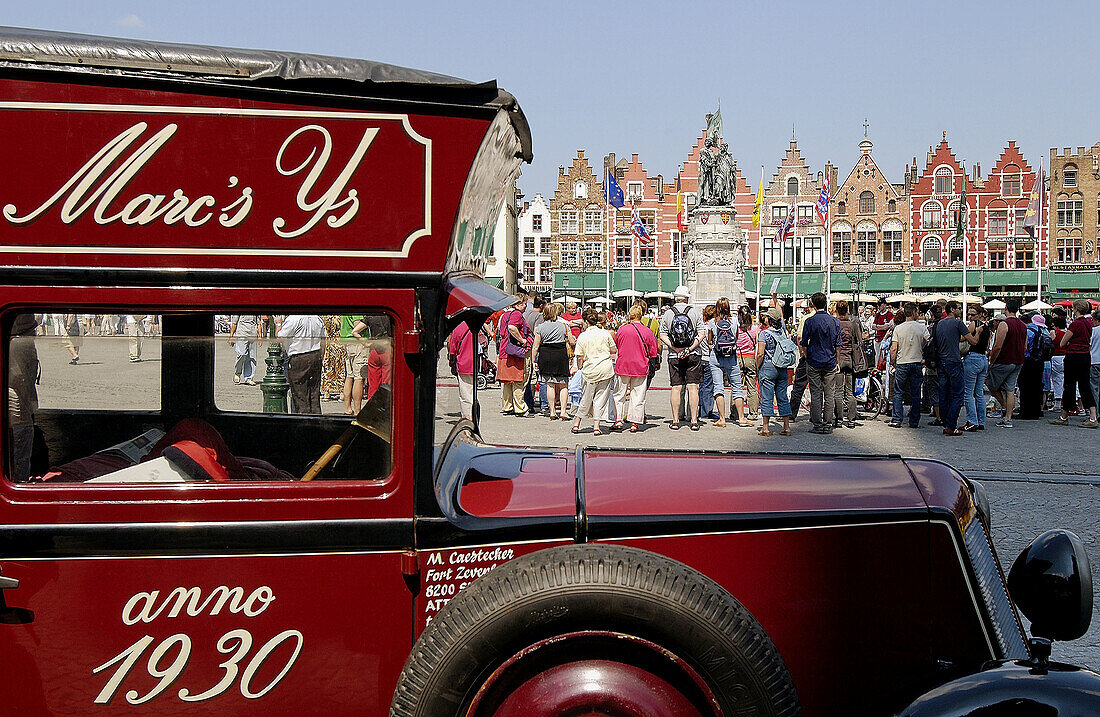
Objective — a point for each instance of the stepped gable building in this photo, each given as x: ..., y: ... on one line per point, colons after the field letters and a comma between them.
x: 793, y: 188
x: 743, y: 200
x: 870, y: 219
x: 577, y: 232
x: 1007, y: 252
x: 1074, y: 213
x: 535, y: 255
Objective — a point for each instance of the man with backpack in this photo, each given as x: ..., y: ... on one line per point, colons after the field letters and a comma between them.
x: 820, y: 340
x: 681, y: 330
x: 1038, y: 349
x: 949, y: 334
x: 1006, y: 359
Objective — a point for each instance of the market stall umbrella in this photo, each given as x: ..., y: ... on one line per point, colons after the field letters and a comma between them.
x: 994, y: 305
x: 968, y: 299
x: 866, y: 298
x: 659, y: 295
x: 566, y: 299
x: 598, y: 300
x: 1069, y: 302
x: 1037, y: 305
x: 627, y: 293
x: 840, y: 296
x: 901, y: 298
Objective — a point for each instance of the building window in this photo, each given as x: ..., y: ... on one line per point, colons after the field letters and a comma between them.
x: 779, y: 212
x: 945, y: 180
x: 932, y: 247
x: 649, y: 220
x: 536, y: 223
x: 806, y: 211
x: 592, y: 256
x: 867, y: 203
x: 580, y: 190
x: 1069, y: 213
x: 867, y: 245
x: 546, y: 274
x: 1021, y: 214
x: 1025, y: 257
x: 568, y: 221
x: 998, y: 259
x: 529, y: 272
x: 569, y: 255
x: 647, y: 255
x: 891, y: 246
x: 841, y: 208
x: 1069, y: 250
x: 544, y: 245
x: 634, y: 189
x: 953, y: 215
x: 957, y: 251
x: 932, y: 216
x: 676, y: 248
x: 592, y: 222
x: 998, y: 222
x: 1069, y: 177
x: 773, y: 252
x: 622, y: 254
x: 792, y: 187
x: 811, y: 251
x: 892, y: 206
x: 528, y: 245
x: 842, y: 247
x: 1010, y: 185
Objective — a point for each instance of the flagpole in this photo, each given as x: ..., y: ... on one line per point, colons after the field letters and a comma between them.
x: 794, y: 256
x: 635, y: 243
x: 1039, y: 237
x: 826, y: 247
x: 760, y: 243
x: 962, y: 220
x: 608, y: 225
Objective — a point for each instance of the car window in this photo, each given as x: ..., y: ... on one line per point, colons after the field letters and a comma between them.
x: 198, y: 397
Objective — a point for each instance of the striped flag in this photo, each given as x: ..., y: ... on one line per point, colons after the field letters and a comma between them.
x: 1034, y: 205
x: 786, y: 229
x: 636, y: 226
x: 822, y: 205
x: 759, y: 201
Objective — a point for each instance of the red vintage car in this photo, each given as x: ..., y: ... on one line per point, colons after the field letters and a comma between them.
x: 177, y: 540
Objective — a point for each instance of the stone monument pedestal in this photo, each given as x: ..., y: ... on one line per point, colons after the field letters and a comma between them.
x: 718, y: 256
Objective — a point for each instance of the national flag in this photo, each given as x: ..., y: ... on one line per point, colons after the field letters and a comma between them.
x: 786, y: 229
x: 822, y: 205
x: 759, y: 201
x: 960, y: 215
x: 679, y: 210
x: 613, y: 193
x: 636, y: 226
x: 1034, y: 205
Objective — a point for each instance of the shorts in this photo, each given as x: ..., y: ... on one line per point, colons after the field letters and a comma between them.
x: 682, y: 371
x: 1002, y: 377
x: 355, y: 364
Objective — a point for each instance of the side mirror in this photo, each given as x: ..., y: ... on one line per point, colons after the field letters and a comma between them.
x: 1051, y: 582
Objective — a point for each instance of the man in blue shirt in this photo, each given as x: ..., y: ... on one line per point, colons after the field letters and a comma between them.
x: 820, y: 339
x: 948, y: 333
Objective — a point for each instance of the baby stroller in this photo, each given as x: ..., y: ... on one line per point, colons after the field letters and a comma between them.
x: 486, y: 372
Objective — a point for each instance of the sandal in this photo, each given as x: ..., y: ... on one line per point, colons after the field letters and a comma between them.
x: 553, y: 416
x: 763, y: 432
x: 597, y: 432
x: 617, y: 425
x: 744, y: 424
x: 633, y: 427
x: 720, y: 424
x: 674, y: 426
x: 785, y: 432
x: 575, y: 429
x: 694, y: 426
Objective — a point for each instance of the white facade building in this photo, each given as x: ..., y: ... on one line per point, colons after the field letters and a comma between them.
x: 533, y: 263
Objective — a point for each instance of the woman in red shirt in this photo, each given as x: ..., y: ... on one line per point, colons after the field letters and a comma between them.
x: 635, y: 344
x: 1057, y: 359
x: 1078, y: 363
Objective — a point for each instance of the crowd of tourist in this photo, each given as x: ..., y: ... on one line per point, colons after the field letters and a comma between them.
x: 755, y: 367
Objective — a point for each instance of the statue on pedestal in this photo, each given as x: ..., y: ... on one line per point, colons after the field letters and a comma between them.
x: 717, y: 175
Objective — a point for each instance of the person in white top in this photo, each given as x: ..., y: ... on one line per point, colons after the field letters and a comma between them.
x: 305, y: 334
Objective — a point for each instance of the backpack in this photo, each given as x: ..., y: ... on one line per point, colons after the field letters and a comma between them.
x: 725, y: 339
x: 1040, y: 347
x: 785, y: 353
x: 929, y: 352
x: 681, y: 334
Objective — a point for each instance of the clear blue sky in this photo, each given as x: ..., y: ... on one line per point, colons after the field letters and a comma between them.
x: 639, y: 76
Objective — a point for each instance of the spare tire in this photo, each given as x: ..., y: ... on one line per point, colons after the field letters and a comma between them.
x: 522, y: 635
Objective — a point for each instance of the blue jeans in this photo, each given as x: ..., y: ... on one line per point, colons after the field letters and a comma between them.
x: 721, y: 366
x: 907, y: 379
x: 706, y: 391
x: 773, y: 387
x: 975, y: 368
x: 245, y: 360
x: 951, y: 392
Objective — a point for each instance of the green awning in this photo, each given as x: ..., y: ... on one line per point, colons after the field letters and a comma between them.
x: 645, y: 280
x: 942, y: 279
x: 591, y: 283
x: 1073, y: 280
x: 808, y: 282
x: 881, y: 281
x: 495, y: 282
x: 1010, y: 277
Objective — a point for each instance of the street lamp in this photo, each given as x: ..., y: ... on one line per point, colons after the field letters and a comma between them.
x: 857, y: 274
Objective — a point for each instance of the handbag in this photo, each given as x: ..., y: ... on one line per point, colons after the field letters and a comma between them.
x: 511, y: 347
x: 654, y: 361
x: 859, y: 357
